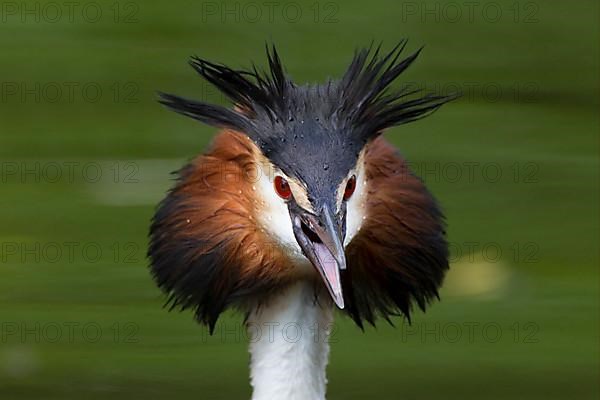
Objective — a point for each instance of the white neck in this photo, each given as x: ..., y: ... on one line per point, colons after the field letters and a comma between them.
x: 289, y: 346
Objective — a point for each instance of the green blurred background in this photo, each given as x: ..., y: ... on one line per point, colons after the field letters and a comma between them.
x: 86, y: 153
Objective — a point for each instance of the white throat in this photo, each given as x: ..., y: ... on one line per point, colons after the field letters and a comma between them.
x: 289, y: 346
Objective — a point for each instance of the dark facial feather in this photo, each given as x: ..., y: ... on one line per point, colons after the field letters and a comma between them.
x: 208, y: 253
x: 400, y: 255
x: 206, y: 250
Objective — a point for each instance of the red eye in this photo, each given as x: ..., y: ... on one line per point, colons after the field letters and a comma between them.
x: 282, y: 188
x: 350, y: 186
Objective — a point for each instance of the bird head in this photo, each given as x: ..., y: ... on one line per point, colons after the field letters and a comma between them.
x: 328, y: 197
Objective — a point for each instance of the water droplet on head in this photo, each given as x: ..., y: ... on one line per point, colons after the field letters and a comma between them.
x: 325, y: 166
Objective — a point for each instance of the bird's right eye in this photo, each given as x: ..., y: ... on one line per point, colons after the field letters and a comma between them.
x: 282, y: 187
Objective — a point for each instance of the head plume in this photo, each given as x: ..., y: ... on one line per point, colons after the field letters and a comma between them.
x: 360, y: 105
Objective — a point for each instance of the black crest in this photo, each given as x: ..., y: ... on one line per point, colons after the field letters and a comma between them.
x: 358, y: 107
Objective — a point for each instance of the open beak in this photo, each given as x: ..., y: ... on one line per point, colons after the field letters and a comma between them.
x: 321, y: 238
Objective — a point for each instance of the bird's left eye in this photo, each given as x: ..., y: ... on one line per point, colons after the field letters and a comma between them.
x: 282, y: 187
x: 350, y: 187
